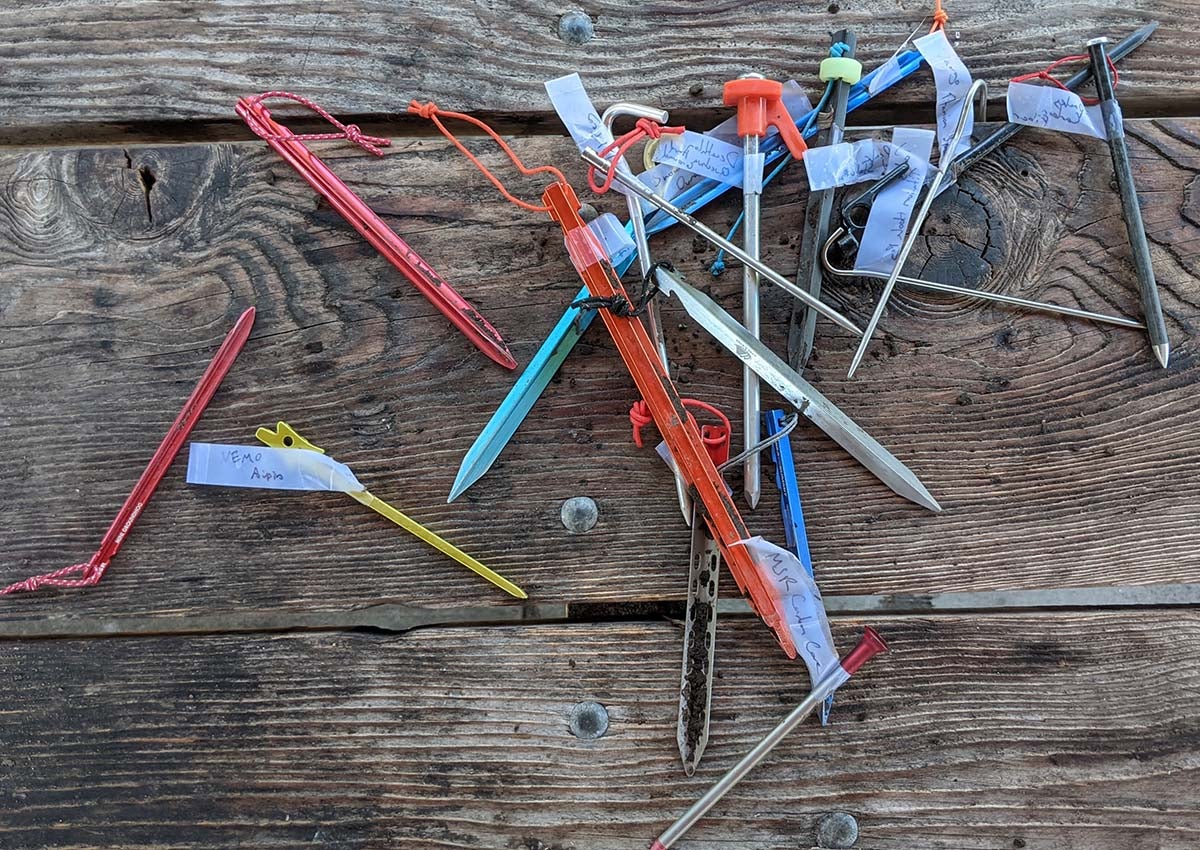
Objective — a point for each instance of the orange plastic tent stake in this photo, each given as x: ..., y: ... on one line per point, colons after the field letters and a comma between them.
x: 672, y: 419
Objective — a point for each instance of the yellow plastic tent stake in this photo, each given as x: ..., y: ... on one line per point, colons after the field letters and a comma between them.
x: 286, y: 437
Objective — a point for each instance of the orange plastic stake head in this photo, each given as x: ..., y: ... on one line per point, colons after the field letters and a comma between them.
x: 759, y: 104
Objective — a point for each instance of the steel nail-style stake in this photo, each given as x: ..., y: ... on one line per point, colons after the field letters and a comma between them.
x: 759, y: 104
x: 869, y: 646
x: 1114, y: 128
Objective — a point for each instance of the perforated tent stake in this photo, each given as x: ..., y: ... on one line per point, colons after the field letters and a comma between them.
x: 869, y: 646
x: 94, y: 568
x: 461, y: 312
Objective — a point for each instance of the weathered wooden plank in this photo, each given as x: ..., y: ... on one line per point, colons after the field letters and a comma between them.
x: 1044, y: 732
x: 135, y: 61
x: 1062, y: 455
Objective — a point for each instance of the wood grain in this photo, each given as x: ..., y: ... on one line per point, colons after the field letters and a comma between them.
x: 178, y: 66
x: 973, y: 734
x: 1062, y: 455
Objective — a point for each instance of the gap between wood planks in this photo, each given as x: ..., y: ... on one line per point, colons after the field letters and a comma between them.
x: 390, y: 618
x: 401, y: 126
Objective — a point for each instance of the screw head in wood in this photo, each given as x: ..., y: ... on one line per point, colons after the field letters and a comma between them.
x: 588, y: 720
x: 837, y: 831
x: 579, y: 514
x: 575, y: 27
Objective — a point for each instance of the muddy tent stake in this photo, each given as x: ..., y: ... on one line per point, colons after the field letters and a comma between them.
x: 870, y: 645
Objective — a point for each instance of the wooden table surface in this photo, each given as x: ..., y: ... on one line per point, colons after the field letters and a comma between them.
x: 138, y: 218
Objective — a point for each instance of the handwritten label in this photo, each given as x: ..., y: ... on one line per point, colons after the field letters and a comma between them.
x: 952, y: 80
x: 798, y: 602
x: 1053, y: 108
x: 574, y: 108
x: 886, y: 75
x: 845, y: 163
x: 223, y: 465
x: 887, y: 224
x: 703, y: 155
x: 667, y: 180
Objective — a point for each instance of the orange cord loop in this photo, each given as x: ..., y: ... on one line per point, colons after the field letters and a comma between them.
x: 1048, y: 77
x: 431, y: 112
x: 939, y: 17
x: 643, y: 129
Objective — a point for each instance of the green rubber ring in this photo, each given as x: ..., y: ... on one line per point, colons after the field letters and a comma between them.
x: 841, y: 68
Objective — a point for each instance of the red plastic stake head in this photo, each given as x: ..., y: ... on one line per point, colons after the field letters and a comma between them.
x: 759, y: 104
x: 868, y: 647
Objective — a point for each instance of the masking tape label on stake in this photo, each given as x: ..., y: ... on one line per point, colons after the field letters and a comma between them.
x: 846, y: 163
x: 613, y: 238
x: 669, y: 181
x: 223, y: 465
x: 704, y: 155
x: 884, y: 76
x: 570, y: 100
x: 574, y: 108
x: 752, y: 173
x: 1053, y: 108
x: 798, y: 602
x: 952, y: 80
x: 887, y: 224
x: 584, y: 248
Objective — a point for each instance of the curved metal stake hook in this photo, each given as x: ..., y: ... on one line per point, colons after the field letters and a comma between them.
x: 789, y: 425
x: 967, y: 292
x: 919, y: 219
x: 642, y: 242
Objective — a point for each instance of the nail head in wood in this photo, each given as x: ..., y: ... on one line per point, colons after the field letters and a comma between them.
x: 837, y: 831
x: 579, y: 514
x: 589, y: 720
x: 576, y: 28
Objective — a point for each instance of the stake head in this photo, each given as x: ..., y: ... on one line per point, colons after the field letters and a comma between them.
x: 870, y: 645
x: 759, y: 104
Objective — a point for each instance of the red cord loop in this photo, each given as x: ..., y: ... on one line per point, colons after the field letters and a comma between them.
x: 349, y: 132
x: 89, y: 574
x: 431, y: 112
x: 1049, y: 78
x: 643, y: 129
x: 639, y: 417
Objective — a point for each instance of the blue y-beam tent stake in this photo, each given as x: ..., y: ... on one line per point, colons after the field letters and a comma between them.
x: 789, y: 490
x: 554, y: 350
x: 789, y: 505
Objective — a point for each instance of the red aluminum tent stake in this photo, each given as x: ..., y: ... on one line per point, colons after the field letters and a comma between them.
x: 461, y: 312
x: 93, y: 570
